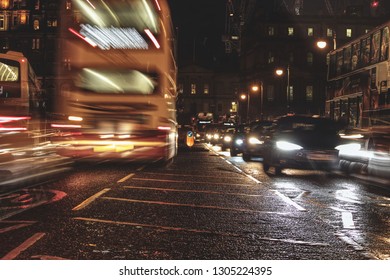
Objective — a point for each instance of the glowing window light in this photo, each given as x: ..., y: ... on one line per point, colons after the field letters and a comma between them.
x: 151, y: 36
x: 113, y: 37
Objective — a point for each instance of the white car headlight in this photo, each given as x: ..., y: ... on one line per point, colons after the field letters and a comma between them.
x: 216, y: 136
x: 287, y: 146
x: 239, y: 142
x: 227, y: 138
x: 255, y: 141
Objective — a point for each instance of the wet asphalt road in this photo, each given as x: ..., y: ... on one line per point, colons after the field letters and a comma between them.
x: 204, y: 205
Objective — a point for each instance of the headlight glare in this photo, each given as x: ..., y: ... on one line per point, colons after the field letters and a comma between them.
x: 255, y: 141
x: 287, y: 146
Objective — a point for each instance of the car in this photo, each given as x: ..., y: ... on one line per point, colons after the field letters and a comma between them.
x: 215, y: 134
x: 253, y: 140
x: 237, y: 139
x: 302, y: 142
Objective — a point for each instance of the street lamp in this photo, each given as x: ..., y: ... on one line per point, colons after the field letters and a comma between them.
x: 243, y: 97
x: 256, y: 88
x: 280, y: 72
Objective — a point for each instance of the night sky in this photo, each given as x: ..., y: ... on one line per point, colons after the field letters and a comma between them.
x: 200, y: 25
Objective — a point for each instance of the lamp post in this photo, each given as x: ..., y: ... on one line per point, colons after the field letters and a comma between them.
x: 256, y: 88
x: 280, y: 72
x: 243, y: 97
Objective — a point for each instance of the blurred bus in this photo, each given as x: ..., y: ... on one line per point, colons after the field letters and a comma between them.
x: 116, y: 91
x: 359, y: 80
x: 20, y: 94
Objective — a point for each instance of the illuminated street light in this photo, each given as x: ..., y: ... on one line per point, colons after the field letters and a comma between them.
x: 322, y: 44
x: 280, y: 72
x: 256, y: 88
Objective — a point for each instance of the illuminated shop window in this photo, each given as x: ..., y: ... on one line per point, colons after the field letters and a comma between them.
x: 206, y: 89
x: 290, y: 31
x: 310, y: 31
x: 193, y: 88
x: 36, y: 24
x: 4, y: 4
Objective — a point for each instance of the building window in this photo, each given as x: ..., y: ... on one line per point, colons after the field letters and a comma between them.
x: 310, y: 32
x: 2, y: 22
x: 206, y: 89
x: 270, y: 93
x: 309, y: 58
x: 52, y: 23
x: 23, y: 17
x: 4, y: 4
x: 68, y: 5
x: 348, y: 32
x: 37, y: 5
x: 309, y: 93
x: 36, y: 44
x: 36, y: 24
x: 271, y: 58
x: 271, y: 31
x: 290, y: 31
x: 329, y: 32
x: 193, y: 88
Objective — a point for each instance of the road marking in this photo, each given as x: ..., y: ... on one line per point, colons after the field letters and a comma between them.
x: 186, y: 181
x: 347, y: 220
x: 289, y: 201
x: 17, y: 225
x: 299, y: 242
x: 24, y: 246
x: 89, y: 200
x: 125, y: 178
x: 180, y: 175
x: 191, y: 205
x: 192, y: 191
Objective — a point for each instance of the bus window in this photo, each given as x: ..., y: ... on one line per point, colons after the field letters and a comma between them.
x: 9, y: 79
x: 376, y: 38
x: 115, y: 81
x: 385, y: 44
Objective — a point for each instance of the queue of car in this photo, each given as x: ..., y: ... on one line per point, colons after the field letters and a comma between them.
x: 308, y: 143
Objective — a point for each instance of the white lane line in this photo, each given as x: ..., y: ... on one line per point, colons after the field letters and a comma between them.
x: 191, y: 205
x: 24, y: 246
x: 125, y: 178
x: 193, y: 191
x: 189, y: 181
x: 90, y: 199
x: 298, y: 242
x: 289, y: 201
x: 347, y: 220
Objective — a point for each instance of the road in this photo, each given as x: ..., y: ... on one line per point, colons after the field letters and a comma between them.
x: 205, y: 205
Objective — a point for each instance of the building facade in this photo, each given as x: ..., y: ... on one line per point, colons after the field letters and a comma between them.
x: 283, y: 35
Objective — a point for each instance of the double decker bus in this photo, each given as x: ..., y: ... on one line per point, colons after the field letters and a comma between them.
x: 358, y: 95
x: 20, y: 94
x: 359, y: 80
x: 116, y: 91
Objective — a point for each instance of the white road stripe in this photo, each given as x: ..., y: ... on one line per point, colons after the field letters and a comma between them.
x: 289, y: 201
